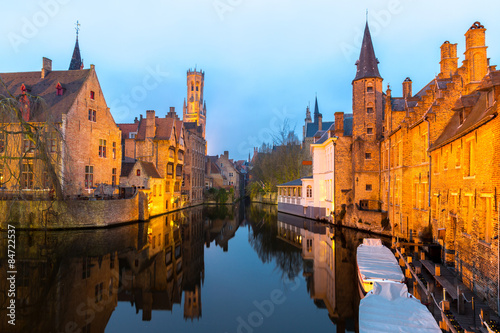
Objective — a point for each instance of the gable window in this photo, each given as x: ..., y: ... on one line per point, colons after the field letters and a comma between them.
x: 230, y: 174
x: 102, y: 148
x: 89, y: 177
x: 138, y: 172
x: 92, y: 115
x: 92, y: 95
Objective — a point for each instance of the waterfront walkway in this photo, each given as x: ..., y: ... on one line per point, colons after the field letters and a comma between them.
x: 455, y: 307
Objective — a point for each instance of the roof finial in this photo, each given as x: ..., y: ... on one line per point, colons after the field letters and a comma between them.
x: 366, y: 14
x: 77, y: 28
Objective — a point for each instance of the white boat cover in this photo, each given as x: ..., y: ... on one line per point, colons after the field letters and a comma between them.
x: 377, y: 262
x: 388, y: 308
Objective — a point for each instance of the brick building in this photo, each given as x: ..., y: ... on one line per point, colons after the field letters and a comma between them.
x: 194, y: 118
x: 421, y: 165
x: 159, y: 141
x: 80, y: 137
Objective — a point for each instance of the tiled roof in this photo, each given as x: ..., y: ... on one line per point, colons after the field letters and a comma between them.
x: 477, y: 116
x: 163, y: 128
x: 466, y: 101
x: 127, y: 129
x: 150, y: 169
x: 56, y: 105
x: 490, y: 80
x: 127, y: 167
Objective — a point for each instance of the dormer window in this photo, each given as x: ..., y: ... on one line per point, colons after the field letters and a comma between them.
x: 491, y: 98
x: 59, y: 89
x: 462, y: 118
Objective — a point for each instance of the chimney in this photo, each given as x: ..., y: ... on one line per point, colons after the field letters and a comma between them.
x: 320, y: 122
x: 407, y: 88
x: 46, y: 67
x: 150, y: 124
x: 136, y: 120
x: 475, y: 55
x: 339, y: 123
x: 226, y: 154
x: 449, y: 60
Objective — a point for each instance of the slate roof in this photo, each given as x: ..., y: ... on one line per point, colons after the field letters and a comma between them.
x: 479, y: 115
x: 398, y: 104
x: 367, y: 65
x: 312, y: 128
x: 76, y: 59
x: 53, y: 106
x: 296, y: 182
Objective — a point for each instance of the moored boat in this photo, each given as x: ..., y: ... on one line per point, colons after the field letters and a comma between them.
x: 376, y: 263
x: 389, y: 307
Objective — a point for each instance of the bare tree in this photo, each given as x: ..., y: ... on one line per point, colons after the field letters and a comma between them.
x: 30, y: 152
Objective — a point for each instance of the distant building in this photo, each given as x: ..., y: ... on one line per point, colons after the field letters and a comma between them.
x: 194, y: 118
x: 311, y: 127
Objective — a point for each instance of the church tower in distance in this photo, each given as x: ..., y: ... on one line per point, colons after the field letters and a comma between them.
x: 195, y: 108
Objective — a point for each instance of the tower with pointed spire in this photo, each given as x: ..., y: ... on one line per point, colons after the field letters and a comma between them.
x: 195, y: 108
x: 76, y: 59
x: 367, y: 108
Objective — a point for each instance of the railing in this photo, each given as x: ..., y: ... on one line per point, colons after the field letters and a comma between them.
x: 290, y: 199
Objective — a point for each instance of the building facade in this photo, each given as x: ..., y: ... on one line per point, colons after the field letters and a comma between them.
x: 75, y: 147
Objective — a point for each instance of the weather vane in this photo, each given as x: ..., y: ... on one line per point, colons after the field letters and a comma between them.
x: 77, y: 28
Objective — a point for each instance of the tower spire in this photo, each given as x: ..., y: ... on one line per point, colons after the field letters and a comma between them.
x: 367, y: 65
x: 316, y: 110
x: 76, y: 59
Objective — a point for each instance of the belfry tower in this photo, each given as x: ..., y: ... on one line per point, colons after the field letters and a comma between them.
x: 195, y: 108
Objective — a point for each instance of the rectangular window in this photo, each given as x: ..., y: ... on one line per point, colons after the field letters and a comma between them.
x: 138, y: 172
x: 458, y: 156
x: 28, y: 145
x: 170, y: 169
x: 230, y: 174
x: 368, y: 187
x: 52, y: 142
x: 102, y: 148
x: 27, y: 176
x: 369, y: 130
x: 469, y: 158
x: 46, y: 180
x: 2, y: 142
x: 369, y: 110
x: 98, y: 292
x: 1, y: 174
x: 92, y: 115
x: 368, y: 156
x: 486, y: 229
x: 114, y: 150
x: 468, y: 212
x: 86, y: 265
x: 92, y: 95
x: 113, y: 176
x: 89, y: 177
x: 369, y: 89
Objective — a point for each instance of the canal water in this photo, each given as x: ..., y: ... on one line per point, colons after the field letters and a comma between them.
x: 223, y: 269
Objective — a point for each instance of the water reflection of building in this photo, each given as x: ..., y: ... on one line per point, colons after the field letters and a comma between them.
x: 222, y: 223
x: 328, y: 267
x: 64, y: 279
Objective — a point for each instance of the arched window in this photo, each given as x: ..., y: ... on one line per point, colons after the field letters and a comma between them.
x: 309, y: 191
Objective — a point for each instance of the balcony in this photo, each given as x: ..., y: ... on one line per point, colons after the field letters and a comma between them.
x: 290, y: 200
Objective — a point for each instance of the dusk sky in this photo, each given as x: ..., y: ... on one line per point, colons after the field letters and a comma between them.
x: 264, y: 61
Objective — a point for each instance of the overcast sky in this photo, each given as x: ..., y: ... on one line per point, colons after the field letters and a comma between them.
x: 264, y: 60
